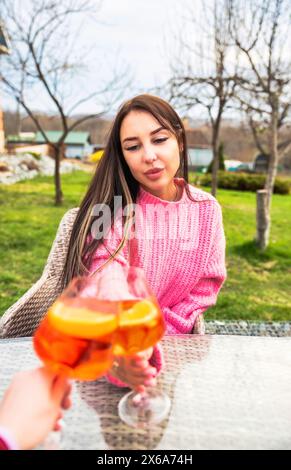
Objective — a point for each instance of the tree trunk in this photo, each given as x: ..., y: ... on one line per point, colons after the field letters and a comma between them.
x: 263, y: 219
x: 214, y: 175
x: 264, y: 196
x: 58, y: 188
x: 18, y: 120
x: 273, y: 162
x: 215, y: 161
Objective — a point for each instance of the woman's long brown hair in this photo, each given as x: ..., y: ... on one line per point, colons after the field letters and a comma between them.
x: 113, y: 178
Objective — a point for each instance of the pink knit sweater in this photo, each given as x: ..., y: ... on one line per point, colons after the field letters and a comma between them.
x: 181, y: 248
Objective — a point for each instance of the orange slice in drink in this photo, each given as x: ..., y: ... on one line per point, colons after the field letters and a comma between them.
x: 77, y: 320
x: 143, y: 313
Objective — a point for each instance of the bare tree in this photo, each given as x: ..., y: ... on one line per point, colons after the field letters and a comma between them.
x: 261, y: 30
x: 206, y: 77
x: 45, y: 44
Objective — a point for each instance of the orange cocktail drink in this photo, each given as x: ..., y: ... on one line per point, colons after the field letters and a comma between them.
x: 76, y: 336
x: 140, y: 326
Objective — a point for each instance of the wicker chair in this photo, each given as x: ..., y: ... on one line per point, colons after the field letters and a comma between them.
x: 22, y: 318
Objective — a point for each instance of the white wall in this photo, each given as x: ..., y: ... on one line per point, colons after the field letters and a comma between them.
x: 73, y: 151
x: 200, y: 157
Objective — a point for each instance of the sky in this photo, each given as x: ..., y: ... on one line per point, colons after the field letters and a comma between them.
x: 139, y: 35
x: 128, y: 33
x: 138, y: 28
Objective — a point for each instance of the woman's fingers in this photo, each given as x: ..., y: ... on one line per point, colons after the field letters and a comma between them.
x: 146, y: 354
x: 135, y: 370
x: 60, y: 388
x: 67, y: 400
x: 57, y: 426
x: 134, y: 378
x: 140, y: 363
x: 152, y: 382
x: 67, y: 403
x: 139, y: 389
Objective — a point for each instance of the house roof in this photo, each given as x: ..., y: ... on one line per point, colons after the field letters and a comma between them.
x: 73, y: 138
x: 196, y: 139
x: 22, y: 137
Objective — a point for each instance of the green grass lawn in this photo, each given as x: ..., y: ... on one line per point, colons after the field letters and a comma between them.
x: 258, y: 285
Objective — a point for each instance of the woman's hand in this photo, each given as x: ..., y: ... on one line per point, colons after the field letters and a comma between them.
x: 135, y: 371
x: 32, y: 405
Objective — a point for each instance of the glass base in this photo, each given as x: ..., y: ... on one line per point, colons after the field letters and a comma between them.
x: 140, y: 410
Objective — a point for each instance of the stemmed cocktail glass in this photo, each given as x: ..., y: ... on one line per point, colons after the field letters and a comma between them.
x: 140, y: 326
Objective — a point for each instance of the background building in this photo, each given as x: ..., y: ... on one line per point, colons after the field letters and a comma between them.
x: 77, y: 144
x: 199, y: 149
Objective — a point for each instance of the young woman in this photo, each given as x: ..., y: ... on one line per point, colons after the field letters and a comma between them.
x: 174, y: 233
x: 139, y: 210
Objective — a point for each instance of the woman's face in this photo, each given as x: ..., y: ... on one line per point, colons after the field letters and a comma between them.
x: 151, y: 152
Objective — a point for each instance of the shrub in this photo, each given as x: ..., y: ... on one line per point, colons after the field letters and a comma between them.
x: 242, y: 182
x: 96, y: 157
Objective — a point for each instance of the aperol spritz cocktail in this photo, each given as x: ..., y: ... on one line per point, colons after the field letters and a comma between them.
x: 140, y: 326
x: 75, y: 338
